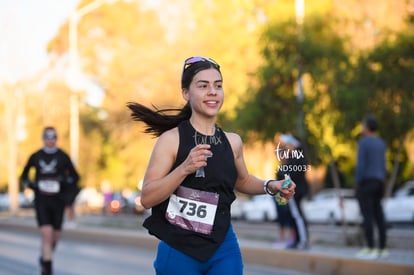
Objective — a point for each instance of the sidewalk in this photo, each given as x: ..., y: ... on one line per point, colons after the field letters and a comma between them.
x: 328, y: 259
x: 319, y: 259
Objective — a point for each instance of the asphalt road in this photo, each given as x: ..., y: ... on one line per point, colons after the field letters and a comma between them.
x: 19, y: 255
x: 99, y: 235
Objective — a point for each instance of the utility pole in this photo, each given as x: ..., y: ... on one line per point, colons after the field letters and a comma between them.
x: 10, y: 110
x: 300, y: 96
x: 75, y: 74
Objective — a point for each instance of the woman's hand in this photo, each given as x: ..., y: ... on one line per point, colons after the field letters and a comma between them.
x: 276, y: 186
x: 197, y: 158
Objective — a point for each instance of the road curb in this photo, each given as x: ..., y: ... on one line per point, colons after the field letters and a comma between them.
x: 320, y: 264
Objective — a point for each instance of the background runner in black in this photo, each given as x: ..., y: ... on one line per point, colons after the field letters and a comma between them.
x: 54, y: 176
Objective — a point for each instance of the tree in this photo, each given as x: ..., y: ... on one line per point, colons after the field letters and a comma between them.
x: 343, y: 78
x: 274, y: 108
x: 135, y: 54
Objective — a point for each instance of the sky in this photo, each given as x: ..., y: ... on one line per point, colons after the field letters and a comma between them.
x: 26, y: 26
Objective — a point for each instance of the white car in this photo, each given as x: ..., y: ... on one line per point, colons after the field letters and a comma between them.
x: 260, y: 208
x: 237, y: 208
x: 332, y: 206
x: 400, y: 207
x: 24, y: 200
x: 89, y: 200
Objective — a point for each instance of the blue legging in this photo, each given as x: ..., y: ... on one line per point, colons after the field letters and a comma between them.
x: 227, y: 260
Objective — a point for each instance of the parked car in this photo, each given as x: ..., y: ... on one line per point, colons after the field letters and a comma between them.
x: 134, y: 204
x: 118, y: 203
x: 260, y: 208
x: 25, y: 200
x: 89, y: 200
x: 237, y: 208
x: 400, y: 207
x: 329, y: 205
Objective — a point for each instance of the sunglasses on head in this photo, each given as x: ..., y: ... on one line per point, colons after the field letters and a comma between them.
x: 49, y: 136
x: 189, y: 61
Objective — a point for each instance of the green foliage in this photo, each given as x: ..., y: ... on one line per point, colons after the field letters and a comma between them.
x: 318, y: 55
x: 381, y: 86
x: 340, y: 87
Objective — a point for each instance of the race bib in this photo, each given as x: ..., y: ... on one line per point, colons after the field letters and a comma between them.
x: 49, y: 186
x: 192, y: 209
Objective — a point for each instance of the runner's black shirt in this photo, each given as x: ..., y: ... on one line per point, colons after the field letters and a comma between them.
x: 56, y: 165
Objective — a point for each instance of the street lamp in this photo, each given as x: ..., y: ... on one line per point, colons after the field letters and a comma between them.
x: 76, y: 79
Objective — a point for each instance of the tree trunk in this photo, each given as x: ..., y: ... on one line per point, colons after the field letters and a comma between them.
x: 337, y: 185
x: 395, y: 168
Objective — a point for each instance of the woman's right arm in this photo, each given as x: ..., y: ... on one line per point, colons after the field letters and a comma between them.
x: 159, y: 183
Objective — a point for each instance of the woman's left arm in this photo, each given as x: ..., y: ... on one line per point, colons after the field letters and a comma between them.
x: 247, y: 183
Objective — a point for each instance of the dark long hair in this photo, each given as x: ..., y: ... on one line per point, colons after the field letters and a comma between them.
x: 160, y: 120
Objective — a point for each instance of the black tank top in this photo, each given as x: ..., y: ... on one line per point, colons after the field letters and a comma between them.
x: 220, y: 178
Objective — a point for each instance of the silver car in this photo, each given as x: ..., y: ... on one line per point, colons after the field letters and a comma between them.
x: 332, y: 206
x: 400, y: 207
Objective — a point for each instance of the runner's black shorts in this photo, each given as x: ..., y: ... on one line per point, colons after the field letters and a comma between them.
x: 49, y: 211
